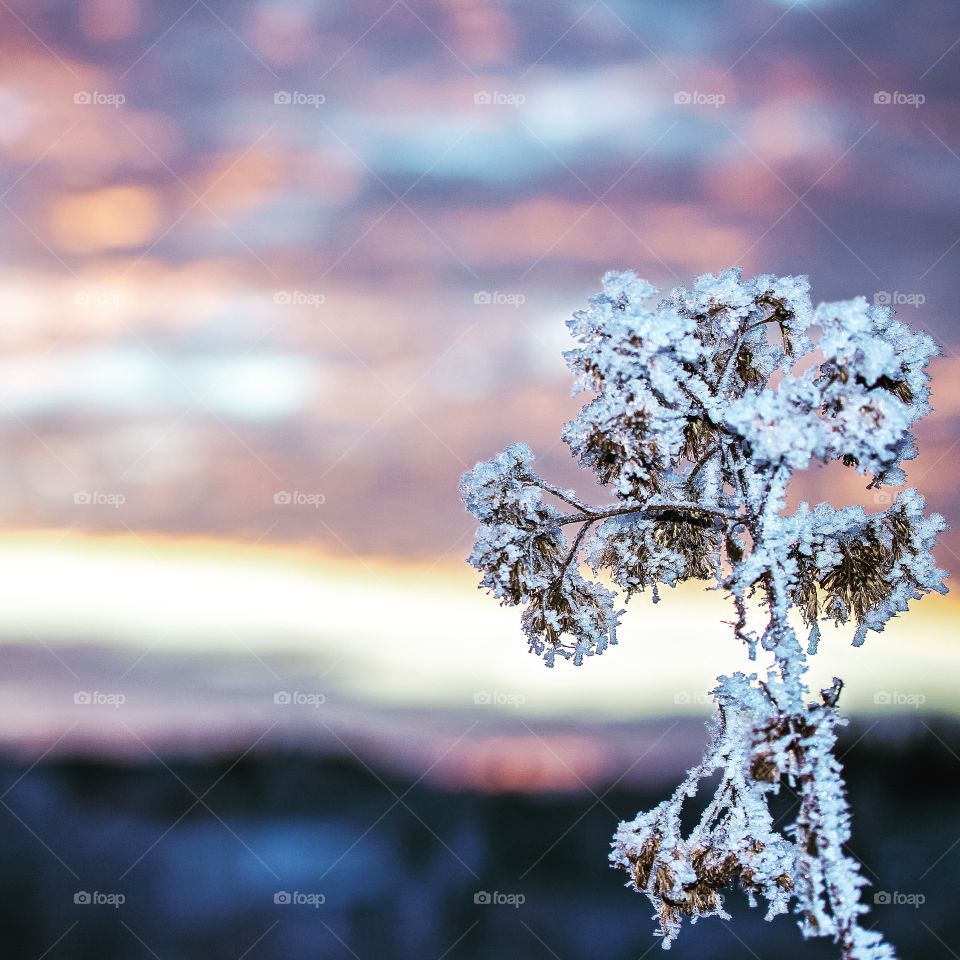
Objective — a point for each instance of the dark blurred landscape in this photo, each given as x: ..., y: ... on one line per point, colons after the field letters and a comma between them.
x: 201, y: 849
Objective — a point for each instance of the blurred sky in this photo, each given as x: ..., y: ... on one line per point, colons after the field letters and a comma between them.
x: 322, y: 253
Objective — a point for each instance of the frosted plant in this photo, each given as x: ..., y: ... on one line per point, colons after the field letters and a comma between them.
x: 704, y: 405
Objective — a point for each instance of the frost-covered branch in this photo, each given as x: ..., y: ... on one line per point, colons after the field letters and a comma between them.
x: 696, y: 424
x: 651, y: 510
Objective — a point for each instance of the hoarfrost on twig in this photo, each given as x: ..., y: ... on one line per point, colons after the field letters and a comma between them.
x: 705, y: 403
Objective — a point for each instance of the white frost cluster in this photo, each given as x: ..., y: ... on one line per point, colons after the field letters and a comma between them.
x: 757, y: 751
x: 704, y: 404
x: 735, y: 840
x: 525, y: 558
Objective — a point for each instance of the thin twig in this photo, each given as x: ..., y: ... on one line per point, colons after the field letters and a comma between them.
x: 577, y: 540
x: 650, y: 510
x: 560, y: 493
